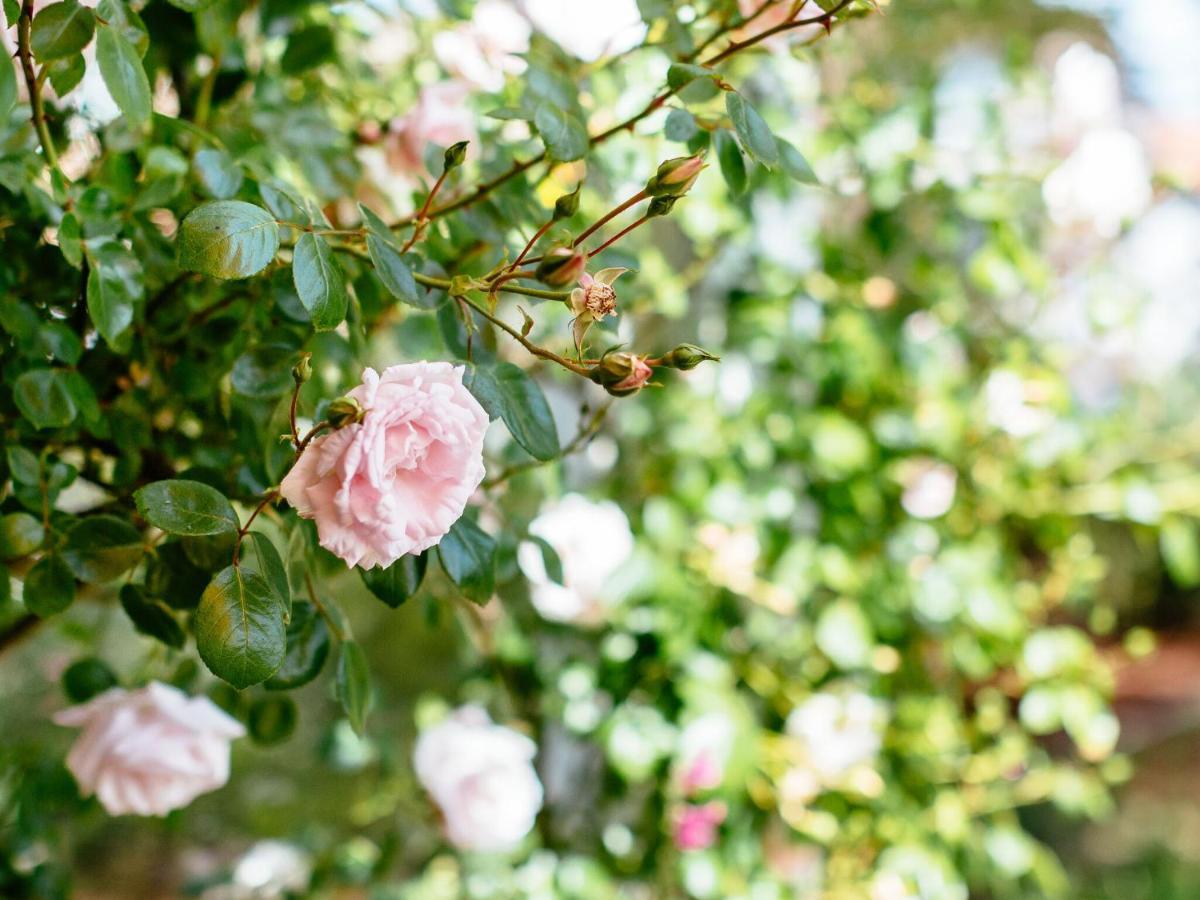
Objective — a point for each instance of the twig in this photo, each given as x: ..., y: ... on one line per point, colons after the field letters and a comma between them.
x: 620, y: 234
x: 536, y: 349
x: 324, y: 613
x: 33, y: 83
x: 271, y: 496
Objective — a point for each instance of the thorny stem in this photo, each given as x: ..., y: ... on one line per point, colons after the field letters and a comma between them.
x: 423, y: 215
x: 587, y: 430
x: 536, y: 349
x: 732, y: 23
x: 657, y: 102
x: 620, y: 234
x: 34, y: 83
x: 608, y: 217
x: 311, y: 433
x: 271, y: 496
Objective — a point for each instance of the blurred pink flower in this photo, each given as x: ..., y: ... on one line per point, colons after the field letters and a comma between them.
x: 696, y: 826
x: 484, y: 50
x: 395, y: 482
x: 440, y: 117
x: 149, y: 751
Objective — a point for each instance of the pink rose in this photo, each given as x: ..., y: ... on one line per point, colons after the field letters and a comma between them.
x: 696, y: 826
x: 395, y: 482
x: 151, y: 750
x: 637, y: 378
x: 482, y: 778
x: 440, y: 117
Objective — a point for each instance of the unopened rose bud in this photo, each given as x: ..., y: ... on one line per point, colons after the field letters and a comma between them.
x: 302, y: 371
x: 562, y: 266
x: 455, y: 155
x: 660, y: 206
x: 675, y: 177
x: 687, y: 356
x: 344, y: 411
x: 568, y: 204
x: 621, y: 373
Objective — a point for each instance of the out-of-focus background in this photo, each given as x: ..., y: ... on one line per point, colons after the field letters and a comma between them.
x: 917, y: 564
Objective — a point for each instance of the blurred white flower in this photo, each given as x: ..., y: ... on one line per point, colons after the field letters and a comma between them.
x: 149, y: 751
x: 592, y: 541
x: 837, y: 732
x: 1008, y: 408
x: 589, y: 29
x: 271, y: 869
x: 481, y: 776
x: 483, y: 51
x: 1086, y: 91
x: 1102, y: 184
x: 733, y: 555
x: 704, y: 747
x: 929, y: 488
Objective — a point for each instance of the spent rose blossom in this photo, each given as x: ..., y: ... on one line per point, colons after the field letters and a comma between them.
x: 484, y: 50
x: 395, y: 482
x: 151, y: 750
x: 440, y: 116
x: 593, y: 300
x: 592, y: 541
x: 696, y: 825
x: 481, y: 777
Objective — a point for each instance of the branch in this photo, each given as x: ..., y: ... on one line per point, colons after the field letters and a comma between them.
x: 33, y: 83
x: 536, y: 349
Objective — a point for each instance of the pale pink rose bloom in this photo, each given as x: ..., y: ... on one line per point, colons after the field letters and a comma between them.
x: 440, y: 117
x: 484, y: 50
x: 696, y: 826
x: 395, y: 482
x: 149, y: 751
x: 481, y: 777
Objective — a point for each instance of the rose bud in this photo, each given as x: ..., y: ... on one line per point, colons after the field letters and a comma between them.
x: 660, y: 206
x: 675, y: 177
x: 568, y: 204
x: 687, y: 356
x: 562, y: 266
x: 302, y: 371
x: 622, y: 373
x: 455, y: 154
x: 344, y: 411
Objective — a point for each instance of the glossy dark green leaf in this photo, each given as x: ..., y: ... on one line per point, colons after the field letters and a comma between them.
x: 61, y: 29
x: 217, y: 173
x: 263, y: 372
x: 44, y: 399
x: 85, y: 678
x: 70, y: 239
x: 102, y: 548
x: 354, y: 684
x: 228, y: 239
x: 395, y: 274
x: 151, y: 618
x: 119, y: 15
x: 20, y: 535
x: 8, y: 89
x: 319, y: 281
x: 239, y: 628
x: 110, y: 308
x: 754, y: 133
x: 507, y: 392
x: 121, y: 66
x: 399, y: 581
x: 732, y: 163
x: 49, y: 586
x: 172, y: 577
x: 564, y: 135
x: 23, y: 465
x: 793, y: 163
x: 186, y: 507
x: 307, y: 649
x: 58, y: 340
x: 271, y: 720
x: 259, y: 555
x: 66, y: 73
x: 468, y: 554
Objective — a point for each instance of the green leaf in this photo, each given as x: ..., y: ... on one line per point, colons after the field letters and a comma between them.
x: 124, y: 75
x: 151, y: 618
x: 61, y: 29
x: 399, y: 581
x: 1180, y: 547
x: 754, y: 133
x: 70, y: 239
x: 258, y: 554
x: 395, y: 273
x: 680, y: 126
x: 307, y: 649
x: 732, y: 163
x: 354, y: 684
x: 43, y: 397
x: 228, y: 239
x: 102, y: 548
x: 271, y: 720
x: 563, y: 134
x: 49, y: 586
x: 468, y: 554
x: 217, y: 173
x: 85, y: 678
x: 794, y: 164
x: 307, y: 48
x: 239, y: 628
x: 319, y: 282
x: 20, y: 535
x: 66, y: 73
x: 173, y: 578
x: 505, y: 391
x: 263, y: 372
x: 186, y: 507
x: 109, y: 307
x: 61, y: 342
x: 23, y: 465
x: 12, y: 10
x: 118, y: 15
x: 680, y: 75
x: 8, y: 89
